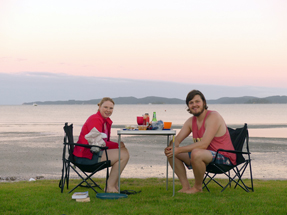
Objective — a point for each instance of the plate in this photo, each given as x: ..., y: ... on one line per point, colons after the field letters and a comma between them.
x: 111, y: 195
x: 130, y: 129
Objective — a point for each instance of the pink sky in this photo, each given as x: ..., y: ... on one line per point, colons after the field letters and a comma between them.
x: 219, y: 42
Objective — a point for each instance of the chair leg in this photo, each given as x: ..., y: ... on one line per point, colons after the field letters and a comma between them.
x: 83, y: 180
x: 62, y: 181
x: 238, y: 175
x: 205, y: 184
x: 107, y: 177
x: 251, y: 178
x: 87, y: 178
x: 242, y: 170
x: 93, y: 182
x: 229, y: 179
x: 67, y: 177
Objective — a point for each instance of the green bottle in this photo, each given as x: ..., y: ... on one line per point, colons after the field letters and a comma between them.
x: 154, y: 117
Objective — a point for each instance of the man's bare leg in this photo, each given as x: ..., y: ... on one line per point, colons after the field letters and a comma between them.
x: 180, y: 171
x: 199, y: 159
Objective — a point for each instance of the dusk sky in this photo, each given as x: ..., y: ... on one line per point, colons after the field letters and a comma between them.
x: 213, y: 42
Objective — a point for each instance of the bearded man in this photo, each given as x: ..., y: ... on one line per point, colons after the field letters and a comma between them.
x: 209, y: 133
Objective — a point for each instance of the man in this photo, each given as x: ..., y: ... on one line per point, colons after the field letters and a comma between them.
x: 210, y: 133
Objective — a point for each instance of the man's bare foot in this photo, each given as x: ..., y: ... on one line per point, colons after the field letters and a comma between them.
x: 193, y: 190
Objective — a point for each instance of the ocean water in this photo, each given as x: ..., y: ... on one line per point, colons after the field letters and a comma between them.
x: 264, y: 120
x: 38, y: 130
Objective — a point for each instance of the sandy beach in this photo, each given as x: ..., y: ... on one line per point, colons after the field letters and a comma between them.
x: 26, y: 155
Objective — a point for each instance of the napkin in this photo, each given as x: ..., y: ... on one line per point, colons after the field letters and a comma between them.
x: 94, y: 137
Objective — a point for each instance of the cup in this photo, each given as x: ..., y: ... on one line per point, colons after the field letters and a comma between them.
x: 140, y: 120
x: 167, y: 125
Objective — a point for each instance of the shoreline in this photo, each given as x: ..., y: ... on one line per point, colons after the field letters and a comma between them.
x: 39, y: 155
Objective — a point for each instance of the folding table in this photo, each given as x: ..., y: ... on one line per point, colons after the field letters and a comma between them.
x: 167, y: 133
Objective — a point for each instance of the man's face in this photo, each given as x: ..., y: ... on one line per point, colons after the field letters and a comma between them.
x: 196, y: 105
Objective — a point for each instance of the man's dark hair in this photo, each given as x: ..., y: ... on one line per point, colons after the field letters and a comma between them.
x: 191, y: 95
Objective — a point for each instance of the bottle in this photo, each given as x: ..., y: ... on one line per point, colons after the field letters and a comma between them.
x: 154, y: 117
x: 146, y: 118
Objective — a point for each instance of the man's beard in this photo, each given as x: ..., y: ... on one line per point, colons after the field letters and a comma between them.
x: 199, y: 113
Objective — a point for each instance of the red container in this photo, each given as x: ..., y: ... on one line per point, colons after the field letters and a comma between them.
x: 140, y: 120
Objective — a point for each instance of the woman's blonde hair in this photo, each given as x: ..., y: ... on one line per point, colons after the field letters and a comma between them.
x: 104, y: 100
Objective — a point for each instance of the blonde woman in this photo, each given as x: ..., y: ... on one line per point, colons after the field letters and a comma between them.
x: 102, y: 122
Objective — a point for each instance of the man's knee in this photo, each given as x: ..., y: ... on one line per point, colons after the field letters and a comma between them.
x: 196, y: 154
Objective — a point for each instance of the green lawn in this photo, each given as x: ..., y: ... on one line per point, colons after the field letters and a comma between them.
x: 44, y: 197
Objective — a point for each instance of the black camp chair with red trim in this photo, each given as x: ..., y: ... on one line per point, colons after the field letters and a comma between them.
x: 85, y: 172
x: 234, y: 173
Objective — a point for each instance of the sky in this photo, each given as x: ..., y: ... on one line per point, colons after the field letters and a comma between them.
x: 221, y: 46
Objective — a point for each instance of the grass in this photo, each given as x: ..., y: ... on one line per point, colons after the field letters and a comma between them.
x: 44, y: 197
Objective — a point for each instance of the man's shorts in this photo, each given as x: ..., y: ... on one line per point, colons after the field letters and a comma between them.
x: 220, y: 159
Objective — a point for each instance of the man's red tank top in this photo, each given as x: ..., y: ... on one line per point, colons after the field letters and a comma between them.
x: 223, y: 142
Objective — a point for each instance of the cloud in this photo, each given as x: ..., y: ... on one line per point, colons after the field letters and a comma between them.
x: 43, y: 86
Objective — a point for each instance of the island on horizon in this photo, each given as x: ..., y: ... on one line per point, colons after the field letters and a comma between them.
x: 163, y: 100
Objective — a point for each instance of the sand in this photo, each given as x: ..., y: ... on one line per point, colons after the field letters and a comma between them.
x: 38, y: 155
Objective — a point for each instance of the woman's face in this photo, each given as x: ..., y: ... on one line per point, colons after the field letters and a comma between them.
x: 106, y: 109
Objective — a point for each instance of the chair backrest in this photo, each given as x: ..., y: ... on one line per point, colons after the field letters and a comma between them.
x: 69, y: 138
x: 239, y: 136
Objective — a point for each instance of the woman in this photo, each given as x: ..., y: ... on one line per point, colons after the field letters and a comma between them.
x: 102, y: 122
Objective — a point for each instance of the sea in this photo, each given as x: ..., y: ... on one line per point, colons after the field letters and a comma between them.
x: 38, y: 130
x: 263, y: 120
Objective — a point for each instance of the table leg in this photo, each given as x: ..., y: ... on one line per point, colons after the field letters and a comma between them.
x: 173, y: 167
x: 119, y: 182
x: 167, y: 164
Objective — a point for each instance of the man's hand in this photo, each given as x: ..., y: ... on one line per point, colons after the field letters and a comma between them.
x: 168, y: 151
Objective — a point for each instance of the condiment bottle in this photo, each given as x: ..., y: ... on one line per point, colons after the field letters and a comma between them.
x: 146, y: 119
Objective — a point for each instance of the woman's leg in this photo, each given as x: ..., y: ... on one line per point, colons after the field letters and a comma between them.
x: 113, y: 155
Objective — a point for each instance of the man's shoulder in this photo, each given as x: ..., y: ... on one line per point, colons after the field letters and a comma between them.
x: 213, y: 115
x: 189, y: 121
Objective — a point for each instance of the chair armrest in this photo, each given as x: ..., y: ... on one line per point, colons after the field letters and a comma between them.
x: 232, y: 151
x: 86, y: 146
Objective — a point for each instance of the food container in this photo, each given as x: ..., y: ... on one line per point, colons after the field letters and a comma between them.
x: 130, y: 127
x: 142, y: 127
x: 167, y: 125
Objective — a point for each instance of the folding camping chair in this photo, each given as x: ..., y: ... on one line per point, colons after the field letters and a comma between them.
x: 70, y: 162
x: 239, y: 137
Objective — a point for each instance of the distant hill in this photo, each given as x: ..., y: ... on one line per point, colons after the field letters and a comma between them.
x: 162, y: 100
x: 119, y: 100
x: 250, y: 100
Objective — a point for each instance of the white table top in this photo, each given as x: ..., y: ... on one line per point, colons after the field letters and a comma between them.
x: 146, y: 132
